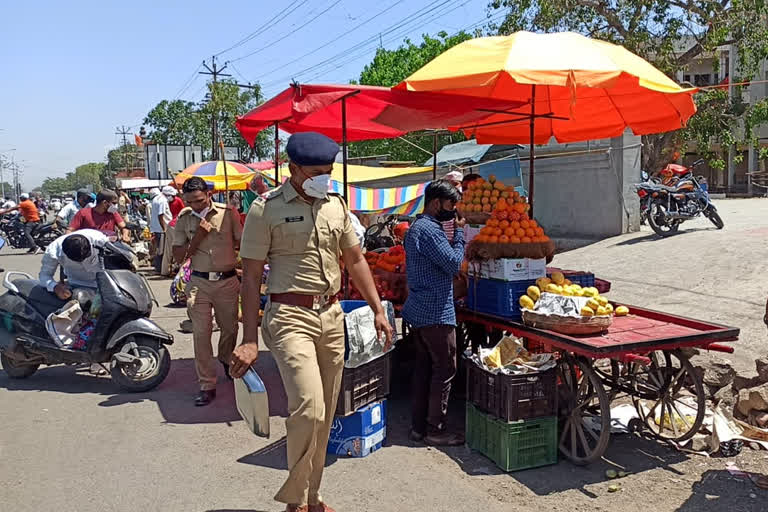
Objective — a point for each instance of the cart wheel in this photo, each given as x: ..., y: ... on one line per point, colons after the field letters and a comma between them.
x: 669, y: 396
x: 585, y: 412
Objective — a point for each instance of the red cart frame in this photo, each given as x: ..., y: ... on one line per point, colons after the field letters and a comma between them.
x: 640, y: 355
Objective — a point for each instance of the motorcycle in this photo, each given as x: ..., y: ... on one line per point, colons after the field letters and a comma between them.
x: 382, y: 234
x: 123, y: 334
x: 13, y: 232
x: 680, y: 196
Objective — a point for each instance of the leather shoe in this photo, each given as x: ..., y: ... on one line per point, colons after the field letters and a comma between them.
x: 443, y: 439
x: 296, y: 508
x: 320, y: 507
x: 205, y: 397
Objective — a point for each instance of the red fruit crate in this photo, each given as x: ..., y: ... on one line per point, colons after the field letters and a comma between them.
x: 512, y: 397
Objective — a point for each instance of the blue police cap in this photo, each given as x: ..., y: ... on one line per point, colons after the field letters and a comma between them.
x: 311, y: 148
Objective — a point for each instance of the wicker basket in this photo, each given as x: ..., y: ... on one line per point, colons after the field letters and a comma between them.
x: 567, y: 324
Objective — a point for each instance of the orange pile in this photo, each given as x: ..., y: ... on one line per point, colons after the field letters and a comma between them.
x: 484, y: 196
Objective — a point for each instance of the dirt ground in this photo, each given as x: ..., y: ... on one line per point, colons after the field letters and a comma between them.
x: 72, y: 442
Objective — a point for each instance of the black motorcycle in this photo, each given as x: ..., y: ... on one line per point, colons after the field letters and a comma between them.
x: 683, y: 197
x: 12, y: 231
x: 123, y: 335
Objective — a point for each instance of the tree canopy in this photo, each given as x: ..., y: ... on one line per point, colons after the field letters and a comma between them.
x: 390, y: 67
x: 671, y: 34
x: 83, y: 176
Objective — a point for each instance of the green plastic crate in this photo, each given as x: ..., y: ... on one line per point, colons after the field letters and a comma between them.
x: 513, y: 446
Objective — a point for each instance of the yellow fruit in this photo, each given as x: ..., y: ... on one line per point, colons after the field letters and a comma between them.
x: 558, y: 278
x: 542, y: 282
x: 609, y: 308
x: 602, y: 300
x: 590, y: 292
x: 553, y: 288
x: 567, y: 282
x: 622, y: 311
x: 568, y: 291
x: 601, y: 311
x: 526, y: 302
x: 578, y: 292
x: 534, y: 292
x: 593, y: 304
x: 576, y: 287
x: 585, y: 311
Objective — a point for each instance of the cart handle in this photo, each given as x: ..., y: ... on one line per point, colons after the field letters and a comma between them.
x: 635, y: 358
x: 720, y: 348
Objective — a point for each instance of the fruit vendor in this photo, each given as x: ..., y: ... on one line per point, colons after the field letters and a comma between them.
x: 431, y: 263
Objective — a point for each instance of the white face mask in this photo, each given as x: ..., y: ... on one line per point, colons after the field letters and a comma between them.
x: 112, y: 208
x: 318, y: 186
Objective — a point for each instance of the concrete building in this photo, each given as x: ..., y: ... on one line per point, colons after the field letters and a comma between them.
x: 702, y: 71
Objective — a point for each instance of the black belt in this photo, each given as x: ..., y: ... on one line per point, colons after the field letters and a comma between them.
x: 215, y: 276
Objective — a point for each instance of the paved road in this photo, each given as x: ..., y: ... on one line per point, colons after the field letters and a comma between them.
x: 72, y: 442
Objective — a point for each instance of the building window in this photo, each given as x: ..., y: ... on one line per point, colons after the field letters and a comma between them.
x: 701, y: 80
x: 686, y: 78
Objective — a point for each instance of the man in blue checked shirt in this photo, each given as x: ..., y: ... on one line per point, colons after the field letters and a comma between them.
x: 431, y: 263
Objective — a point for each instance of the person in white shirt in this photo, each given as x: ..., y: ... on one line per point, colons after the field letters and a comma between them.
x: 8, y: 203
x: 77, y: 254
x: 67, y: 213
x: 158, y: 223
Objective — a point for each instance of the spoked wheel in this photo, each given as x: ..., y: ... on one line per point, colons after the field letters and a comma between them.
x: 585, y: 412
x: 657, y: 214
x: 669, y: 396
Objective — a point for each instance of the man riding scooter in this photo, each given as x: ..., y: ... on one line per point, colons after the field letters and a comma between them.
x: 77, y: 254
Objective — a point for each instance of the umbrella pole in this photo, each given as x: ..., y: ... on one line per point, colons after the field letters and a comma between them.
x: 531, y: 151
x: 434, y: 156
x: 226, y: 173
x: 344, y: 166
x: 277, y: 156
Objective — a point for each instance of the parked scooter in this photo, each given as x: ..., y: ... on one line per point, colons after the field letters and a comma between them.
x: 123, y: 335
x: 680, y: 196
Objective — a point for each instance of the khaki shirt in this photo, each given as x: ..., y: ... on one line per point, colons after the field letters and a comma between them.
x: 302, y: 241
x: 216, y: 252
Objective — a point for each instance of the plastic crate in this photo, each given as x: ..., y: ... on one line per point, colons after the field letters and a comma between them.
x: 498, y: 298
x: 512, y: 397
x: 513, y: 446
x: 365, y: 384
x: 583, y: 279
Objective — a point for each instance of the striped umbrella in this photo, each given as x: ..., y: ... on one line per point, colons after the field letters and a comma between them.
x: 238, y: 175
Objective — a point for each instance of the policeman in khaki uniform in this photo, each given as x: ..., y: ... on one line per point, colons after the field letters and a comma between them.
x: 302, y: 231
x: 209, y: 234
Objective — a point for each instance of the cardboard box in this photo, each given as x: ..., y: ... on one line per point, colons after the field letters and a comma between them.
x: 471, y: 231
x: 360, y: 433
x: 509, y: 269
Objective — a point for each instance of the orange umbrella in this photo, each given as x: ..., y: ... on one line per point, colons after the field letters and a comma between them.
x: 576, y: 88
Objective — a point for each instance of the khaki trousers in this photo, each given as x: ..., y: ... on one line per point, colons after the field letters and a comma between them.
x: 223, y: 296
x: 308, y: 347
x: 167, y: 263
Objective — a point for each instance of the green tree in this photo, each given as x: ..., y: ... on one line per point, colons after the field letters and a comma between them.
x: 87, y: 175
x: 671, y: 34
x: 54, y: 186
x: 186, y: 122
x: 390, y: 67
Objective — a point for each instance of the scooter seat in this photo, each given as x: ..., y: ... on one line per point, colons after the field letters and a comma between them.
x: 41, y: 299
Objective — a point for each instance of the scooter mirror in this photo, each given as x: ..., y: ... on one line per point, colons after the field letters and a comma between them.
x: 645, y: 175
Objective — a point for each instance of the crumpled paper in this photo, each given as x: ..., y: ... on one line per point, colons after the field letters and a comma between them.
x: 510, y: 357
x: 363, y: 344
x: 552, y: 304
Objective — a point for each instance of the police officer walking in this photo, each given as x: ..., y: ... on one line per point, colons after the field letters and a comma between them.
x: 209, y: 234
x: 302, y: 231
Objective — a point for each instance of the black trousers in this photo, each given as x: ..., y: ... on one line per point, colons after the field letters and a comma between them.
x: 28, y: 228
x: 434, y: 370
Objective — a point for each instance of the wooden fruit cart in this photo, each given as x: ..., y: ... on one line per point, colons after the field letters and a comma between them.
x: 640, y: 356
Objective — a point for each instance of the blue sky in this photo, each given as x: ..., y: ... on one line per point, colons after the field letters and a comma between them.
x: 74, y: 71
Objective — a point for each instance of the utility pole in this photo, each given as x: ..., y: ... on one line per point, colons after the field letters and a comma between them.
x: 215, y: 71
x: 123, y: 130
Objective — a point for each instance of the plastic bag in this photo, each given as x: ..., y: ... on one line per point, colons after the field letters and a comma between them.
x: 253, y: 402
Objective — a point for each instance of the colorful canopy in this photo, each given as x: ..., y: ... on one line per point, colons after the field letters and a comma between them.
x: 360, y: 173
x: 238, y: 175
x: 584, y: 88
x: 371, y: 112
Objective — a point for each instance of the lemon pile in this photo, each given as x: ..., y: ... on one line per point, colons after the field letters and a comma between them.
x: 597, y: 305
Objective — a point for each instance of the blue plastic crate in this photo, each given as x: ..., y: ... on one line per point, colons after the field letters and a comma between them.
x: 500, y: 298
x: 583, y: 279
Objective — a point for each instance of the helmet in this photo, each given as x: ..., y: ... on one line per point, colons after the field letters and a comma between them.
x: 24, y: 196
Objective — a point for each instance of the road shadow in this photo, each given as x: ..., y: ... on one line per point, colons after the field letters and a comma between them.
x: 174, y: 397
x: 630, y: 453
x: 272, y: 456
x: 653, y: 237
x: 719, y: 490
